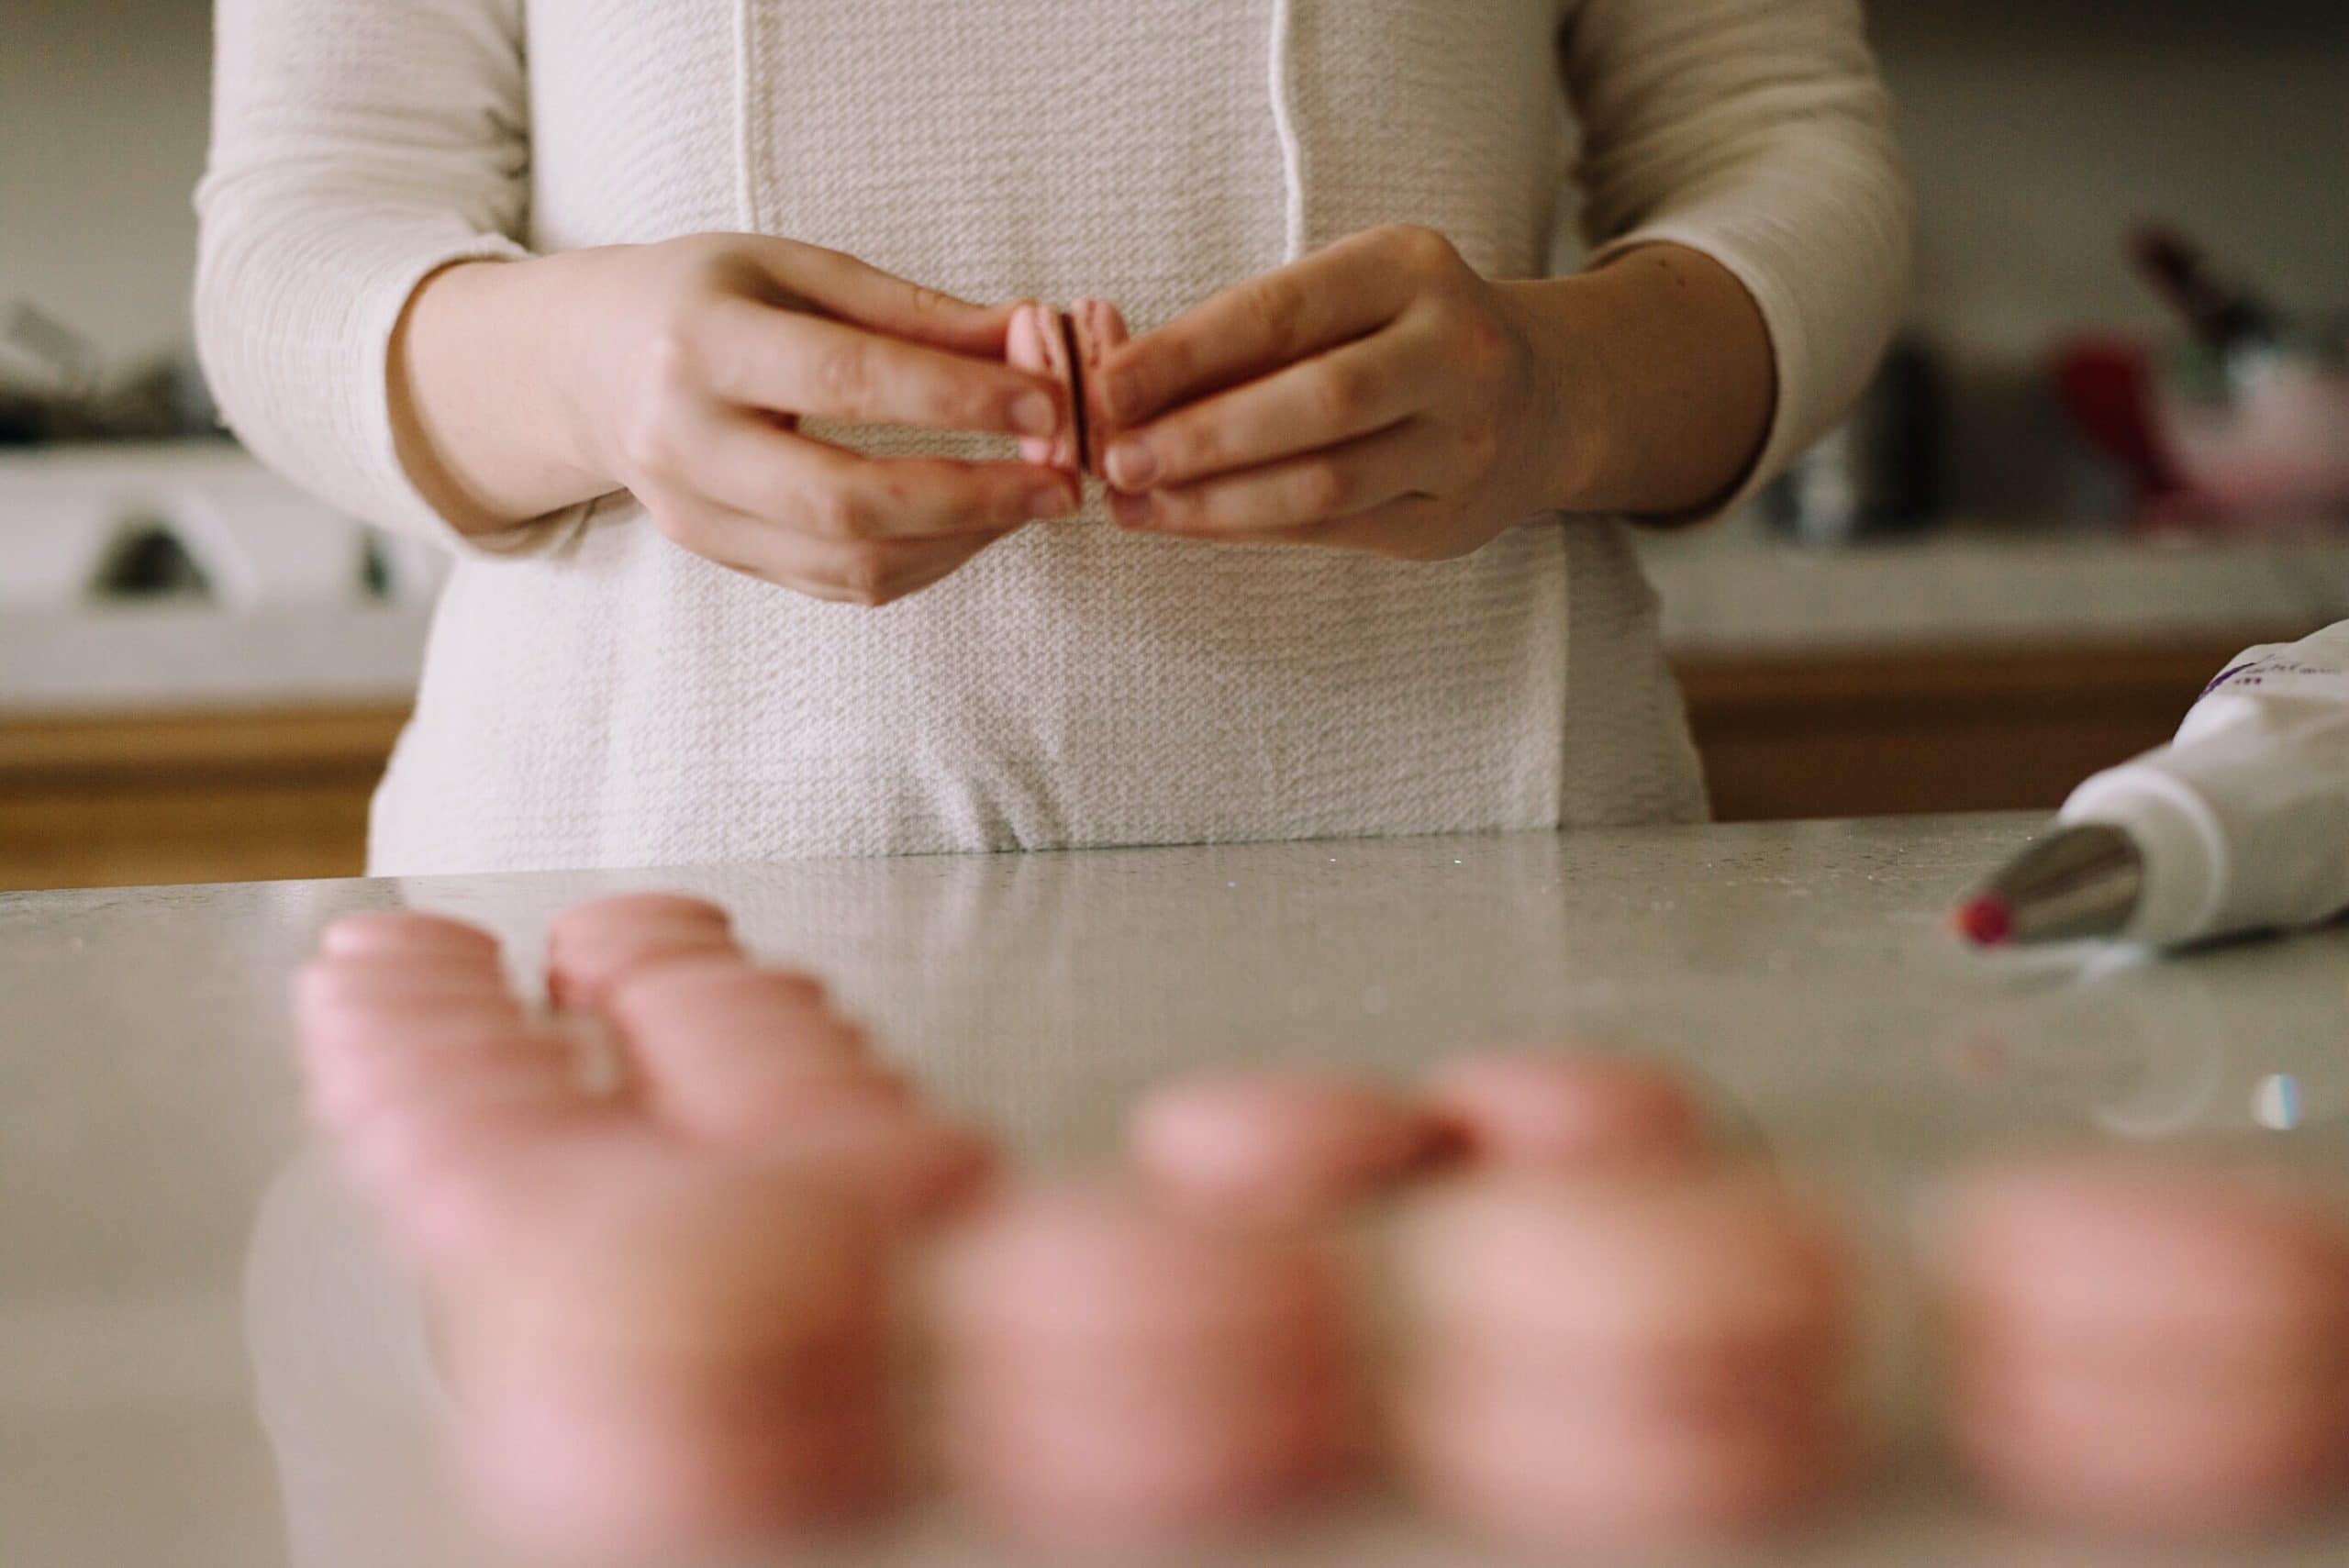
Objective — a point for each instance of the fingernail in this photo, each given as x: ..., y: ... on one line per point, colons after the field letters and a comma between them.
x: 1052, y: 501
x: 1133, y: 465
x: 1033, y: 414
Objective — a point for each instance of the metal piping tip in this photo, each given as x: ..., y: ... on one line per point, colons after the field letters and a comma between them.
x: 2077, y: 882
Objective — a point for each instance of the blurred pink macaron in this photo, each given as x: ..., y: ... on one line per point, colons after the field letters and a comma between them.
x: 1278, y: 1144
x: 1560, y: 1108
x: 1646, y: 1354
x: 673, y: 1355
x: 1115, y: 1373
x: 1639, y: 1262
x: 1080, y: 1266
x: 2149, y: 1340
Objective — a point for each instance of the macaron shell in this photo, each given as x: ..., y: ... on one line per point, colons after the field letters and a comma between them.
x: 1066, y: 1474
x: 915, y: 1170
x: 1033, y: 345
x: 628, y: 912
x: 713, y: 978
x: 2137, y: 1456
x: 346, y: 1025
x: 1558, y: 1109
x: 1099, y: 329
x: 408, y: 932
x: 465, y: 1218
x: 669, y: 1263
x: 1275, y: 1145
x: 1093, y: 1269
x: 399, y: 1153
x: 1696, y: 1384
x: 1568, y: 1476
x: 582, y: 970
x: 327, y: 982
x: 343, y: 1086
x: 758, y: 1110
x: 580, y: 1482
x: 2118, y: 1242
x: 1629, y: 1262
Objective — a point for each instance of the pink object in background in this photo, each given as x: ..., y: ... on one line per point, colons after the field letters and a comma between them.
x: 2150, y: 1341
x: 1277, y: 1144
x: 1560, y: 1108
x: 2273, y: 455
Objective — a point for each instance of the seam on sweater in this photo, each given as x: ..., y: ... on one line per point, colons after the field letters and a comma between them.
x: 744, y: 217
x: 1280, y: 61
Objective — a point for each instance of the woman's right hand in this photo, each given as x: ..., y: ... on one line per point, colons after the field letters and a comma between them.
x: 691, y: 363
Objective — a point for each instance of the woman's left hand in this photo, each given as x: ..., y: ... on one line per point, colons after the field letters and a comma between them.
x: 1376, y: 395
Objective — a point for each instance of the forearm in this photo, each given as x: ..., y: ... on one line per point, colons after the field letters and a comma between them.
x: 1657, y: 378
x: 487, y: 368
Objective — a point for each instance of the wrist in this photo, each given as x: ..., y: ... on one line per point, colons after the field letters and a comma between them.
x: 496, y: 386
x: 1661, y: 382
x: 1572, y: 406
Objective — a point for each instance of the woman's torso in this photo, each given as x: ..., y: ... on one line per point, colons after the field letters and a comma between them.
x: 1074, y: 684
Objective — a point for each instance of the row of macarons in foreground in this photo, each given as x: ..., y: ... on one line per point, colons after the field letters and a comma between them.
x: 704, y: 1265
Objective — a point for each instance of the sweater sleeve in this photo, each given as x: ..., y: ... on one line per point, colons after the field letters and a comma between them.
x: 1759, y: 133
x: 358, y: 146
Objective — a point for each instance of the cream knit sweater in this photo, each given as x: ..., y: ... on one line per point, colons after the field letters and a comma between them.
x: 594, y: 697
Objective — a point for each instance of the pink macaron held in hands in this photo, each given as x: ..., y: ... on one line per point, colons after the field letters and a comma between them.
x: 2151, y: 1341
x: 1069, y: 346
x: 1276, y: 1145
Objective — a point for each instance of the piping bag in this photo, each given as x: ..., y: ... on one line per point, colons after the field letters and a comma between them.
x: 2240, y: 824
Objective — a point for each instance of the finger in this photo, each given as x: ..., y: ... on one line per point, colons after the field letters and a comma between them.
x: 871, y: 573
x: 1336, y: 293
x: 856, y: 291
x: 1413, y: 458
x: 1320, y: 402
x: 791, y: 363
x: 751, y: 465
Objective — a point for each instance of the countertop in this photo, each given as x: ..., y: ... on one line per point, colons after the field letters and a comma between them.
x: 202, y: 1355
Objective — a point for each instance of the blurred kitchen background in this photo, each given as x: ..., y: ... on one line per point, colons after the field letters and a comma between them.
x: 2106, y: 458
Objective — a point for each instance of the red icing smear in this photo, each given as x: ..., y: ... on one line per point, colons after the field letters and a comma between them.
x: 1985, y: 921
